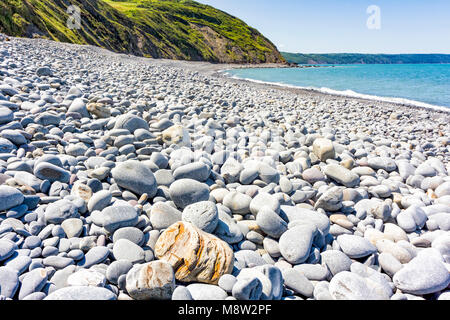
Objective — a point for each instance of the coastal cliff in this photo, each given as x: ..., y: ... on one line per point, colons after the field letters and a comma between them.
x: 174, y: 29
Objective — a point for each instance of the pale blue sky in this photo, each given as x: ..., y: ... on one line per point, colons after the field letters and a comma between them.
x: 325, y: 26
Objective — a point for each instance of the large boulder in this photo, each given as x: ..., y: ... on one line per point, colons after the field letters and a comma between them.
x: 195, y: 255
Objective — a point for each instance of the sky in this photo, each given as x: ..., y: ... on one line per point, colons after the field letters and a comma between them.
x: 344, y: 26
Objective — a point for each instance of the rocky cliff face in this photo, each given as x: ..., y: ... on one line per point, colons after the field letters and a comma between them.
x: 173, y: 29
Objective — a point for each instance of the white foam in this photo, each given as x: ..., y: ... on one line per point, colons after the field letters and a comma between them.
x: 348, y: 93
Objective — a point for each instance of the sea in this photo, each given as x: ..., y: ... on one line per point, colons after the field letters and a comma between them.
x: 423, y: 85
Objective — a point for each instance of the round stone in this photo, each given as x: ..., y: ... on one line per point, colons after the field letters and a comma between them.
x: 117, y: 217
x: 422, y: 275
x: 185, y: 192
x: 72, y: 227
x: 350, y: 286
x: 130, y: 233
x: 196, y: 171
x: 61, y: 210
x: 247, y: 289
x: 203, y: 292
x: 86, y: 277
x: 336, y: 261
x: 151, y: 281
x: 264, y: 200
x: 295, y: 244
x: 239, y: 203
x: 271, y: 223
x: 99, y: 201
x: 136, y: 177
x: 355, y: 247
x: 116, y: 269
x: 163, y: 215
x: 204, y: 215
x: 126, y: 250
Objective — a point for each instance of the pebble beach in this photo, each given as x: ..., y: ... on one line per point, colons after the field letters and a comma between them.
x: 126, y: 178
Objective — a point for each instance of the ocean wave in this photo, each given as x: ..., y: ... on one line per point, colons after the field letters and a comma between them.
x: 348, y: 93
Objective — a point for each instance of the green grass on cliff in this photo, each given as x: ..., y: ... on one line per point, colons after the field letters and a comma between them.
x: 175, y: 29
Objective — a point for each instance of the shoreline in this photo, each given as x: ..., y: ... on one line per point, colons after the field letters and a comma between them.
x: 314, y: 91
x: 349, y: 94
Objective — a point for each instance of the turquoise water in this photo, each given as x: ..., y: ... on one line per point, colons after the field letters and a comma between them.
x: 408, y: 83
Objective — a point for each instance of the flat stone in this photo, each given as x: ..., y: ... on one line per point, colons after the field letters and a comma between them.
x: 231, y: 170
x: 130, y: 233
x: 83, y: 293
x: 247, y: 289
x: 306, y: 216
x: 114, y: 218
x: 9, y: 197
x: 28, y: 179
x: 33, y: 281
x: 57, y: 262
x: 51, y: 172
x: 196, y: 171
x: 389, y: 263
x: 99, y: 200
x: 226, y: 282
x: 313, y: 272
x: 94, y: 256
x: 19, y: 264
x: 178, y: 135
x: 355, y: 247
x: 384, y: 163
x: 131, y: 123
x: 181, y: 293
x: 331, y: 200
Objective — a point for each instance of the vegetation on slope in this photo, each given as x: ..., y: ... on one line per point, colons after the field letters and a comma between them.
x: 356, y: 58
x: 174, y: 29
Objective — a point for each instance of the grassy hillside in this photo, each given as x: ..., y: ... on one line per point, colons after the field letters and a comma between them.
x: 356, y: 58
x: 174, y: 29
